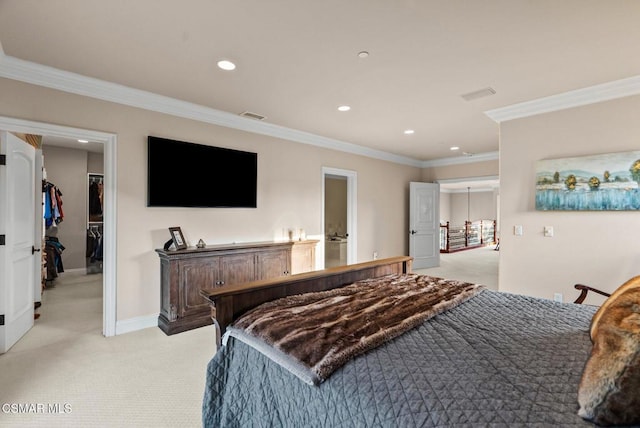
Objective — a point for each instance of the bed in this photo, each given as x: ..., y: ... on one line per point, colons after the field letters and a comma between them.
x: 491, y: 359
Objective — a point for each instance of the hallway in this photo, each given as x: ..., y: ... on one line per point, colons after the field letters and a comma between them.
x: 479, y: 265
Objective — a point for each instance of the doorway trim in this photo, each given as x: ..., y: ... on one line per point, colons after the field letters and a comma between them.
x: 110, y: 191
x: 352, y: 211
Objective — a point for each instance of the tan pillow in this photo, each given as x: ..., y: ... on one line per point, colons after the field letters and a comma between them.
x: 633, y: 283
x: 609, y: 392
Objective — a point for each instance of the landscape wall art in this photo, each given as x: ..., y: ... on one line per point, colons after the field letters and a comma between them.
x: 607, y: 182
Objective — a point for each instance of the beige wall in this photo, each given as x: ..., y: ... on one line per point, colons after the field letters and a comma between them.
x: 445, y: 207
x: 289, y: 188
x: 95, y: 163
x: 482, y: 206
x: 597, y: 248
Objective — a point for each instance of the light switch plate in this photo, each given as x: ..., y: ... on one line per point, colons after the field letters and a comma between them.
x: 517, y: 230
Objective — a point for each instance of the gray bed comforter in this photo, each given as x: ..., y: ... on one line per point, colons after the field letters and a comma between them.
x: 499, y: 360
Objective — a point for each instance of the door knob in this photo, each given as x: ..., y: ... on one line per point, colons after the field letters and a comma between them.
x: 33, y: 250
x: 413, y: 232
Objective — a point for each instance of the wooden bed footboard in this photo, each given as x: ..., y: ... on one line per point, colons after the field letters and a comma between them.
x: 229, y: 302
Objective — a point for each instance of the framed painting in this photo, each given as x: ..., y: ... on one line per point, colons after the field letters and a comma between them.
x: 607, y: 182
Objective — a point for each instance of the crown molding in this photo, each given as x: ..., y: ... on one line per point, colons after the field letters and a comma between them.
x: 468, y: 179
x: 481, y: 179
x: 457, y: 160
x: 475, y: 190
x: 53, y: 78
x: 592, y: 94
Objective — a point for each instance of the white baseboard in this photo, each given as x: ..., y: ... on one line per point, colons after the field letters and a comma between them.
x: 135, y: 324
x: 75, y: 270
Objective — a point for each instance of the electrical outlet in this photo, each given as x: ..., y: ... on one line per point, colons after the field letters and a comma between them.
x: 517, y: 230
x: 375, y: 255
x: 548, y: 231
x: 557, y: 297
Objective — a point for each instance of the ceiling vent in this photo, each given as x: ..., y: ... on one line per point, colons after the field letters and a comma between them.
x: 251, y: 115
x: 486, y: 92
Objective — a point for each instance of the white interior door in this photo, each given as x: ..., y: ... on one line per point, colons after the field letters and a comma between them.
x: 39, y: 228
x: 424, y: 224
x: 17, y: 219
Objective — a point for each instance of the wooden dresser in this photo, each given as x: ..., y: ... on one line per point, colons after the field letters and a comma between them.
x: 183, y: 273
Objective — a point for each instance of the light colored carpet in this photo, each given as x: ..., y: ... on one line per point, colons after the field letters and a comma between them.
x: 139, y: 379
x: 479, y: 265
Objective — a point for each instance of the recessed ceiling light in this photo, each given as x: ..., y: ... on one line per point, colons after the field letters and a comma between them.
x: 344, y: 108
x: 363, y: 54
x: 409, y: 131
x: 454, y: 148
x: 226, y: 65
x: 83, y: 141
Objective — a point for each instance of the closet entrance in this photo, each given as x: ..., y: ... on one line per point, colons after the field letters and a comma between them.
x: 74, y: 212
x: 73, y: 218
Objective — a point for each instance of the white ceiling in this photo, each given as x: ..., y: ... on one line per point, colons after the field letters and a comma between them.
x: 297, y: 60
x: 91, y: 146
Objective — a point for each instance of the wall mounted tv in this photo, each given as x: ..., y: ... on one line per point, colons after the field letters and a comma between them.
x: 182, y: 174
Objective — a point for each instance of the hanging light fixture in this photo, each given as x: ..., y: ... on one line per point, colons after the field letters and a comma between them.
x: 469, y: 204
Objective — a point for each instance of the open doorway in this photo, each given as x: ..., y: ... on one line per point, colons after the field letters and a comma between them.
x: 73, y: 283
x: 108, y: 141
x: 470, y: 199
x: 467, y: 201
x: 339, y: 202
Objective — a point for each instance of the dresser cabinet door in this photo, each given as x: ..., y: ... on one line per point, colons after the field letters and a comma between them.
x: 273, y: 264
x: 194, y: 274
x: 236, y: 269
x: 303, y: 257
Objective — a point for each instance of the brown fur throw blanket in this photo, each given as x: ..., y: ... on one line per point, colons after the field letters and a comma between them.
x: 314, y: 334
x: 609, y: 391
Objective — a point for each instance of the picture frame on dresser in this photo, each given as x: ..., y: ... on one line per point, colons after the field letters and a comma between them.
x: 178, y: 238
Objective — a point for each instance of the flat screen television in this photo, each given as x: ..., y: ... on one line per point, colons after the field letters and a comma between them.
x: 183, y: 174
